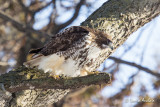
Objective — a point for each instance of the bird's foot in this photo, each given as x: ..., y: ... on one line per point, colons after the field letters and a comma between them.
x: 55, y: 76
x: 85, y: 72
x: 62, y: 76
x: 94, y: 72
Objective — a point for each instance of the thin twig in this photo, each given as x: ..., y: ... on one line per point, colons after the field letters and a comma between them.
x: 135, y: 65
x: 75, y: 15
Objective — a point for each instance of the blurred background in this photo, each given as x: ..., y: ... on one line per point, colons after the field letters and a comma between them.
x: 134, y: 66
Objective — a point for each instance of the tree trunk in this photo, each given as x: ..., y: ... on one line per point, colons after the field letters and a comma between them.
x: 118, y: 18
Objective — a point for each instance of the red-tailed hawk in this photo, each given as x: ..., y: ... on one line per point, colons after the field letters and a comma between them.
x: 75, y: 51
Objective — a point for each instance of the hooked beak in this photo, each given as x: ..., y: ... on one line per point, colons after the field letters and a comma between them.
x: 110, y: 45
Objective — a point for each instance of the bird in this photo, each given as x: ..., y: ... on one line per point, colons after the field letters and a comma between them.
x: 75, y: 51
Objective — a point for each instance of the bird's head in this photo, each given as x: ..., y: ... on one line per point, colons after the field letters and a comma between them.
x: 103, y: 40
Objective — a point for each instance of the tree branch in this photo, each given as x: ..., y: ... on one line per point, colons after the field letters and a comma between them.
x: 30, y: 84
x: 75, y: 15
x: 135, y: 65
x: 26, y: 9
x: 22, y: 27
x: 28, y: 78
x: 121, y: 18
x: 39, y: 9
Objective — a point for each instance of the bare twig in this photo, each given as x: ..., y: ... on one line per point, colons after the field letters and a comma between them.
x: 25, y: 8
x: 39, y: 9
x: 76, y: 13
x: 33, y: 11
x: 135, y: 65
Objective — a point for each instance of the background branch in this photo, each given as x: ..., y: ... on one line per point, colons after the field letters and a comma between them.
x: 22, y: 27
x: 75, y: 15
x: 135, y: 65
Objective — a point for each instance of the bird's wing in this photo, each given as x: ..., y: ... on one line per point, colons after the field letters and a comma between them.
x: 61, y: 41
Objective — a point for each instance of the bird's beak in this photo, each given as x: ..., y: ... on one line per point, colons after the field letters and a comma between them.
x: 111, y: 45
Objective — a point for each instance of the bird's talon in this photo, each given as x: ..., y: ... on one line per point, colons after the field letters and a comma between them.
x: 55, y: 76
x: 96, y: 72
x: 62, y: 76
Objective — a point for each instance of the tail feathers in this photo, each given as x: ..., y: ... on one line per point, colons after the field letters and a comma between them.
x: 34, y: 58
x: 33, y: 62
x: 35, y: 51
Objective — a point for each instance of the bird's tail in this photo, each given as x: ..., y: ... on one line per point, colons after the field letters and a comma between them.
x: 32, y: 62
x: 34, y: 58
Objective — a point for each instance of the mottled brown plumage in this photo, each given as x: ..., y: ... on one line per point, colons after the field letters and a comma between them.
x: 72, y: 51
